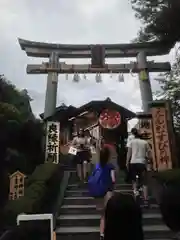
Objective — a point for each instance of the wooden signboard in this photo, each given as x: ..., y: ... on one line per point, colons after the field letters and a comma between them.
x: 145, y: 127
x: 161, y: 138
x: 52, y: 142
x: 16, y: 189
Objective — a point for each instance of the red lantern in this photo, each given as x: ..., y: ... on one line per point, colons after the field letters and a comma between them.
x: 110, y: 119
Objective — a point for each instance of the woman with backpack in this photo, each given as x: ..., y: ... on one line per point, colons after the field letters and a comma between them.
x: 101, y: 184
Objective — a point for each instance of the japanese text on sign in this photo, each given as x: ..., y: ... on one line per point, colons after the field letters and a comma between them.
x: 145, y: 126
x: 16, y: 189
x: 52, y: 142
x: 161, y: 139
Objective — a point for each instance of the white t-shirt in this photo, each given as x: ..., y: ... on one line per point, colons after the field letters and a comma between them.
x: 139, y: 149
x: 131, y: 137
x: 77, y: 142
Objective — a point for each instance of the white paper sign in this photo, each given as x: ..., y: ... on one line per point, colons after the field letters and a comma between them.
x: 93, y: 150
x: 52, y: 142
x: 95, y: 132
x: 72, y: 150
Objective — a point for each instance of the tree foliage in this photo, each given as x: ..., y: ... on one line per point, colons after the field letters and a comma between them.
x: 170, y: 86
x: 21, y: 134
x: 160, y: 19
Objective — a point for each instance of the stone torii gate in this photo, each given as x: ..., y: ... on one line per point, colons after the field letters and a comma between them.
x: 97, y: 53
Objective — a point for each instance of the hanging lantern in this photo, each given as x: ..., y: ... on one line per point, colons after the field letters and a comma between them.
x: 143, y: 75
x: 76, y: 77
x: 98, y: 78
x: 85, y: 78
x: 111, y: 75
x: 131, y: 70
x: 121, y: 77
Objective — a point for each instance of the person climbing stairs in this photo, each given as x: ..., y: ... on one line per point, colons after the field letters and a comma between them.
x: 79, y: 218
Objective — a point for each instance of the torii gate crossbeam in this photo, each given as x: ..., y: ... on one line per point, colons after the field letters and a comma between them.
x: 97, y: 53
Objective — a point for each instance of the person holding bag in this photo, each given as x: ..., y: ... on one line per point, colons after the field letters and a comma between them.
x: 79, y: 143
x: 101, y: 184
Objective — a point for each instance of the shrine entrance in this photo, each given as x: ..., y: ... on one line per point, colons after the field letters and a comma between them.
x: 98, y: 55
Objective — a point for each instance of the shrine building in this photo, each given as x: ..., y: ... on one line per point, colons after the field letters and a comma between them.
x: 104, y: 119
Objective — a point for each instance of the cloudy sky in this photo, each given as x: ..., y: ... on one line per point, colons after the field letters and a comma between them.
x: 68, y: 21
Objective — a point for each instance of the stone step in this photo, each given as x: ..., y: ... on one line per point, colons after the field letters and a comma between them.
x: 91, y: 209
x: 86, y: 200
x: 83, y: 187
x: 82, y: 200
x: 85, y: 192
x: 93, y: 219
x: 79, y: 233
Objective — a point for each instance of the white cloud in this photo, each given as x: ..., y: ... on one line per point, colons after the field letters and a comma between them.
x: 67, y: 21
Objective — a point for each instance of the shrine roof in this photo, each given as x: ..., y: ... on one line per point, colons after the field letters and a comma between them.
x: 100, y: 105
x: 62, y: 111
x: 42, y: 49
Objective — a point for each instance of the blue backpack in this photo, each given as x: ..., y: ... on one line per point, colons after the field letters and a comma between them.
x: 96, y: 185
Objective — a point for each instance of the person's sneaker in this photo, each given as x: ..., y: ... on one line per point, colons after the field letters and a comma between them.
x: 136, y: 193
x: 101, y: 236
x: 146, y: 203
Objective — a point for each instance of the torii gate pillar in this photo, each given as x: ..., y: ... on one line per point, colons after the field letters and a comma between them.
x: 144, y: 82
x: 51, y: 89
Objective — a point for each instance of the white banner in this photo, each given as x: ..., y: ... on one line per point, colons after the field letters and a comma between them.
x: 95, y: 132
x: 52, y: 142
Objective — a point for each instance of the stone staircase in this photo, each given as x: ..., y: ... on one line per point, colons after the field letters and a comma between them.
x: 79, y: 218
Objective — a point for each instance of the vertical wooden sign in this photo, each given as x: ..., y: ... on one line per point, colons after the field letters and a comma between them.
x: 161, y: 138
x: 52, y: 142
x: 16, y: 185
x: 145, y: 127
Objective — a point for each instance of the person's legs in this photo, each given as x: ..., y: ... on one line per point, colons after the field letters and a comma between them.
x: 144, y: 183
x: 133, y: 173
x: 85, y: 170
x: 100, y: 207
x: 102, y: 225
x: 89, y: 163
x: 145, y: 192
x: 86, y: 165
x: 79, y: 171
x: 142, y: 172
x: 102, y: 221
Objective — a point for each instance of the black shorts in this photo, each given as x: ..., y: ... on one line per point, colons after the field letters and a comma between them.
x: 138, y: 169
x: 83, y: 156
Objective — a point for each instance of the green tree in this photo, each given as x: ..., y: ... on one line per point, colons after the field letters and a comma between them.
x: 170, y: 90
x: 19, y: 99
x: 20, y: 135
x: 160, y: 19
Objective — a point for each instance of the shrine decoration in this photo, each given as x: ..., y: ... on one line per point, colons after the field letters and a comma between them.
x: 16, y: 189
x: 52, y: 142
x: 110, y: 119
x: 146, y: 129
x: 161, y: 137
x: 143, y: 75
